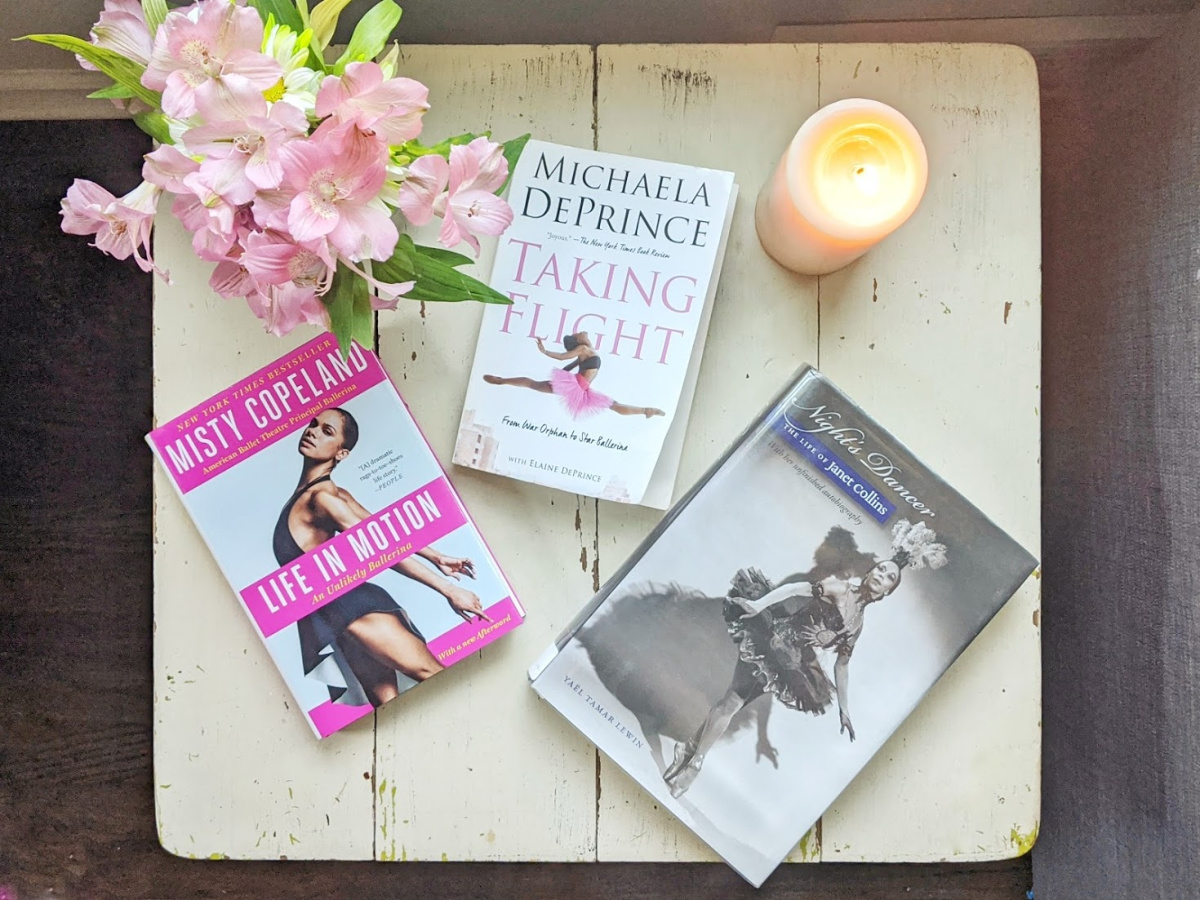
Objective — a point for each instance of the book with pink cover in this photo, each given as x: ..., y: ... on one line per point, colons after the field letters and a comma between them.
x: 337, y: 528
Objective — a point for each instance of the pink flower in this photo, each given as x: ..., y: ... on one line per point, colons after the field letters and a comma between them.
x: 122, y: 226
x: 231, y: 278
x: 204, y: 211
x: 208, y: 60
x: 337, y: 188
x: 274, y: 258
x: 283, y: 308
x: 122, y: 29
x: 166, y: 168
x: 390, y: 108
x: 249, y: 149
x: 462, y: 191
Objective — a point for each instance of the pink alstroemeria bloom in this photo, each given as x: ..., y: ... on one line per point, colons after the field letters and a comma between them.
x: 122, y: 29
x: 283, y: 308
x: 121, y: 225
x: 211, y: 64
x: 462, y: 191
x: 166, y: 167
x: 274, y: 258
x: 206, y: 213
x: 391, y: 108
x: 337, y: 196
x: 231, y: 278
x: 248, y: 150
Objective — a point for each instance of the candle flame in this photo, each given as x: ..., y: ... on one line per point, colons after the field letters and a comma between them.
x: 864, y: 174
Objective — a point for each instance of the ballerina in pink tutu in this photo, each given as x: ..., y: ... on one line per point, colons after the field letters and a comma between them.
x: 575, y: 389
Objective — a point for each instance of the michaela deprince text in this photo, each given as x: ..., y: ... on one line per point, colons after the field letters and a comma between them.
x: 675, y: 223
x: 554, y: 291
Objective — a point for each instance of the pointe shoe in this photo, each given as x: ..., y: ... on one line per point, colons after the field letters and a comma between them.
x: 684, y: 779
x: 683, y: 755
x: 492, y: 379
x: 652, y: 411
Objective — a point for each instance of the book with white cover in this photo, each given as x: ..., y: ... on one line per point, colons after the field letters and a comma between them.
x: 585, y: 382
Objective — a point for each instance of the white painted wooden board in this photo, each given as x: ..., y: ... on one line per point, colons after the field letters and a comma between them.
x: 470, y: 766
x: 236, y: 770
x: 938, y: 331
x: 475, y: 765
x: 689, y: 104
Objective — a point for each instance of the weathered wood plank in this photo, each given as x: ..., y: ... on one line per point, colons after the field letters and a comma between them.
x: 730, y: 108
x: 236, y: 769
x: 937, y: 330
x: 473, y: 765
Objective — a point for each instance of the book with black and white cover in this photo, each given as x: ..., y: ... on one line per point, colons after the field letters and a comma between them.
x: 779, y: 624
x: 585, y: 382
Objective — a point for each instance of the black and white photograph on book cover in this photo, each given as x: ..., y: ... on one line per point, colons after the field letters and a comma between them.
x: 768, y: 638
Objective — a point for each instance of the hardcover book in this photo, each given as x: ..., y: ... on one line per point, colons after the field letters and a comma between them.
x: 585, y: 382
x: 780, y: 623
x: 329, y: 515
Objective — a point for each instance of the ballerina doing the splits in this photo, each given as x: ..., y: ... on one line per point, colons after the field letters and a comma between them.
x: 575, y: 389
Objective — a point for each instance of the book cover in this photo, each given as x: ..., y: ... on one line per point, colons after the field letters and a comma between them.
x: 780, y: 623
x: 333, y: 521
x: 585, y: 382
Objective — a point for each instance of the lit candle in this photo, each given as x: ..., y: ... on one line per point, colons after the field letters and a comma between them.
x: 854, y: 172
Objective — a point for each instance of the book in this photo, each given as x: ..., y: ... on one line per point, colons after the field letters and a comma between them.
x: 779, y: 624
x: 338, y: 530
x: 585, y: 382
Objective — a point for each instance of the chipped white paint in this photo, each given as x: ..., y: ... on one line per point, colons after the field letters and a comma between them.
x: 471, y: 766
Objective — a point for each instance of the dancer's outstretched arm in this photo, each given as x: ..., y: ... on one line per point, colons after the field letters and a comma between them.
x: 347, y: 512
x: 780, y: 594
x: 568, y: 354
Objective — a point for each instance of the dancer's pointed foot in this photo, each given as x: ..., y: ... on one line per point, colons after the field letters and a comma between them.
x: 683, y: 755
x: 651, y: 411
x: 681, y: 782
x: 492, y: 379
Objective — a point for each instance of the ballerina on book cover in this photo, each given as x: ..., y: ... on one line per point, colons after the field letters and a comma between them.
x: 575, y: 390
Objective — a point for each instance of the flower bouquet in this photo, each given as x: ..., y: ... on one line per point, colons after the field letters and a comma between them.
x: 288, y: 169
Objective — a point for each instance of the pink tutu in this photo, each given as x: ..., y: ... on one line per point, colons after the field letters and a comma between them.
x: 577, y: 394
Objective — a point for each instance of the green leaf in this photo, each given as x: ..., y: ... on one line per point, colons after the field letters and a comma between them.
x: 154, y: 124
x: 433, y: 271
x: 117, y: 67
x: 350, y: 315
x: 155, y: 12
x: 370, y: 34
x: 323, y: 20
x: 112, y: 92
x: 512, y: 152
x: 442, y: 148
x: 284, y: 11
x: 448, y: 257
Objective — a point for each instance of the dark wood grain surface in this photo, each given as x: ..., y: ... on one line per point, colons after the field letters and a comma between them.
x: 76, y: 801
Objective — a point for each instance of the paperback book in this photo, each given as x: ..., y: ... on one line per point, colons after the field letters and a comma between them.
x: 779, y: 624
x: 585, y: 382
x: 332, y: 520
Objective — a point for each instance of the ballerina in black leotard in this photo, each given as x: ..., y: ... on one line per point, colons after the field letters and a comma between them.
x: 575, y: 389
x: 372, y: 632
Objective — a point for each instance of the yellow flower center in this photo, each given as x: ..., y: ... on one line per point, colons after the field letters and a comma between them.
x: 274, y: 92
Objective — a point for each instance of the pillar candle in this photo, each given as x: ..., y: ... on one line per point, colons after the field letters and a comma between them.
x: 854, y: 172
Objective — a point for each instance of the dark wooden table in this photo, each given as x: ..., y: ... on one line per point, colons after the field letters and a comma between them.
x: 76, y: 804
